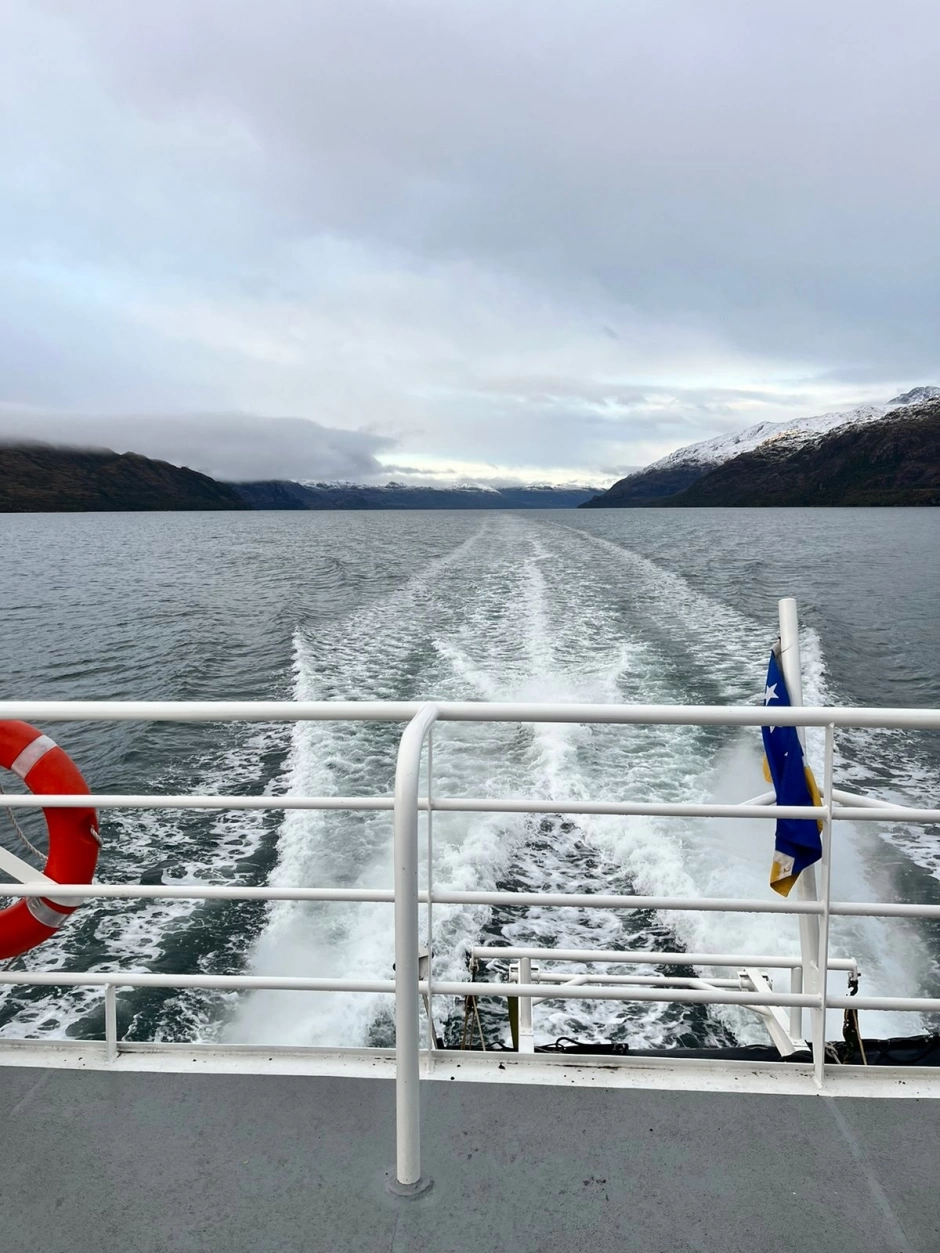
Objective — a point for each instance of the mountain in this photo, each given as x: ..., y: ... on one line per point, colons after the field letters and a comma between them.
x: 894, y: 461
x: 678, y: 471
x: 38, y: 478
x: 283, y: 494
x: 41, y: 478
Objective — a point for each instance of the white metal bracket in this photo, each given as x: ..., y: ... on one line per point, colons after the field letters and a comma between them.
x: 775, y: 1019
x: 20, y: 869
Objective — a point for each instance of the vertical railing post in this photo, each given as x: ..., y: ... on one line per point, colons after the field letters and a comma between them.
x: 408, y: 1180
x: 796, y: 1011
x: 430, y: 881
x: 806, y: 884
x: 825, y: 865
x: 110, y: 1022
x: 526, y: 1037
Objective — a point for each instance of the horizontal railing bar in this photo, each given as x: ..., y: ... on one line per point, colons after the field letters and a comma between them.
x: 705, y: 996
x: 456, y: 804
x: 718, y: 996
x: 145, y: 979
x: 901, y: 1004
x: 705, y: 904
x: 131, y: 978
x: 467, y: 711
x: 886, y: 909
x: 641, y: 957
x: 192, y: 892
x: 79, y: 800
x: 713, y: 904
x: 208, y: 711
x: 469, y: 804
x: 663, y: 809
x: 161, y: 891
x: 884, y: 813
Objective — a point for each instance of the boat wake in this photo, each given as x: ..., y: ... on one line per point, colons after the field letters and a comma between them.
x: 537, y: 610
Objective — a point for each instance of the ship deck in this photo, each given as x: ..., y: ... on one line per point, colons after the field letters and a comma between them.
x: 101, y: 1161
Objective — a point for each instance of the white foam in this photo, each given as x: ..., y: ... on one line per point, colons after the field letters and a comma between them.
x: 135, y: 934
x: 523, y: 610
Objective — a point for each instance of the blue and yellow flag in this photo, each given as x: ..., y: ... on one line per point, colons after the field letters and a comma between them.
x: 797, y: 843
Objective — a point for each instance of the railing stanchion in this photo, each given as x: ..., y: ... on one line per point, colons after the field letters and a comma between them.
x: 526, y: 1036
x: 819, y: 1015
x: 408, y: 1179
x: 796, y: 1011
x: 430, y: 878
x: 110, y: 1021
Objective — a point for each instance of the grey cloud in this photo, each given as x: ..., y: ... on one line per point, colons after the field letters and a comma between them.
x: 490, y: 230
x: 235, y: 447
x: 761, y: 167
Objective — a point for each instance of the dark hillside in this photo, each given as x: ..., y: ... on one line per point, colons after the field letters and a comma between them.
x: 38, y: 478
x: 895, y: 461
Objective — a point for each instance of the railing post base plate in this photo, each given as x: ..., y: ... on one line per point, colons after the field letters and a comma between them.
x: 408, y: 1190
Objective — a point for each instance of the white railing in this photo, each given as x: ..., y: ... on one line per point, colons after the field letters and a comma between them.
x: 751, y: 989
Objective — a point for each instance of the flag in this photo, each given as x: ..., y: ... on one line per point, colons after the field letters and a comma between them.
x: 796, y: 843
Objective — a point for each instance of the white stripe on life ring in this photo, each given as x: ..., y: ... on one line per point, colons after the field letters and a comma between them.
x: 44, y: 913
x: 32, y: 753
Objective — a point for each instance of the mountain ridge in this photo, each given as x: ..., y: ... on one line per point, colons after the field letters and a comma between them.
x: 679, y: 470
x: 289, y: 494
x: 42, y: 478
x: 895, y: 461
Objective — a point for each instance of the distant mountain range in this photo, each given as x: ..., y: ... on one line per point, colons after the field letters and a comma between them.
x: 885, y: 454
x: 283, y: 494
x: 38, y: 478
x: 793, y: 460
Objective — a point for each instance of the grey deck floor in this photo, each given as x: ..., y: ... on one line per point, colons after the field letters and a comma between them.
x: 156, y: 1163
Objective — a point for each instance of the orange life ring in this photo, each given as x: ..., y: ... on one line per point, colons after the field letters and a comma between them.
x: 73, y: 835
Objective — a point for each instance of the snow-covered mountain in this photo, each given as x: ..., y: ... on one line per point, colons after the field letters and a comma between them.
x: 680, y: 469
x: 713, y: 452
x: 394, y: 486
x: 894, y: 461
x: 289, y: 495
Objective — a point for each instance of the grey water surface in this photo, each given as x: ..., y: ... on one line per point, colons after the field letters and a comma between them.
x: 645, y: 606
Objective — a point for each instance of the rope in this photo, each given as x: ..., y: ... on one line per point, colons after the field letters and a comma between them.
x: 19, y: 830
x: 466, y: 1036
x: 476, y: 1014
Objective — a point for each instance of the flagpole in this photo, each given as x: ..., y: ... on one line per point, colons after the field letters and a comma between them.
x: 806, y: 884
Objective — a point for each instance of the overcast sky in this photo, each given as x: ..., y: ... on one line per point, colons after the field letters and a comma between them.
x: 486, y: 238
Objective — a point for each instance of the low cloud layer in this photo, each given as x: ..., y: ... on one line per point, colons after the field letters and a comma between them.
x: 235, y: 447
x: 571, y: 236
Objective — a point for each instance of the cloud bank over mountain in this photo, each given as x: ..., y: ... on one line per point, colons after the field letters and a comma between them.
x: 225, y: 446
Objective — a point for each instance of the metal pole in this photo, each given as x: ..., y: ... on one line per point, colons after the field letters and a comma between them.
x: 430, y: 942
x: 806, y: 884
x: 408, y: 1180
x: 819, y: 1015
x: 526, y: 1038
x: 110, y: 1021
x: 796, y: 1013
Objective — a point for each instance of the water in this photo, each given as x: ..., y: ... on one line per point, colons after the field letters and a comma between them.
x: 650, y: 606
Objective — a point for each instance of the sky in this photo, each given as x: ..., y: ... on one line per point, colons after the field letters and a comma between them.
x: 436, y: 240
